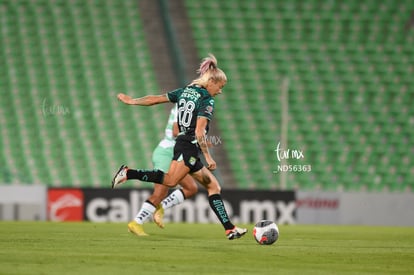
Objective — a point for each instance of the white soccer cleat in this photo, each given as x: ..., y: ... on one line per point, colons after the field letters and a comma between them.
x: 120, y: 176
x: 235, y: 233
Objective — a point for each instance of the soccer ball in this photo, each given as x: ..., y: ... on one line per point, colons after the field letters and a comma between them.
x: 265, y: 232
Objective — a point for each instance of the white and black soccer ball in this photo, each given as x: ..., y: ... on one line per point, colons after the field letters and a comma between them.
x: 265, y: 232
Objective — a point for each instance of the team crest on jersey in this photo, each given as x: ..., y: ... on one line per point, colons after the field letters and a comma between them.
x: 192, y: 161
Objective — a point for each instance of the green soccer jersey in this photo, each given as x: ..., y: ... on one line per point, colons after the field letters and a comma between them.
x: 192, y: 102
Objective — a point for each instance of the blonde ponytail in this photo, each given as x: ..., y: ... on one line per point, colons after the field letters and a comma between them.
x: 208, y: 70
x: 208, y: 63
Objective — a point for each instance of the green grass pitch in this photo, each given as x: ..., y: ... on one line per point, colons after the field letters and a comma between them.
x: 107, y: 248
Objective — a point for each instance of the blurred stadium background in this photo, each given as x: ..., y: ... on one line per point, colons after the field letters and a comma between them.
x: 350, y: 67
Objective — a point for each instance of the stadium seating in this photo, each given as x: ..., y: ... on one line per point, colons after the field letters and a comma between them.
x: 64, y: 63
x: 350, y: 67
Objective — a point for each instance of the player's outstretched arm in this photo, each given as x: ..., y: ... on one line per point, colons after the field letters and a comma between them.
x: 202, y: 142
x: 147, y: 100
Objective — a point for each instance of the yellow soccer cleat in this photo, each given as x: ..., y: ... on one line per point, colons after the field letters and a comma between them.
x: 159, y: 216
x: 136, y: 229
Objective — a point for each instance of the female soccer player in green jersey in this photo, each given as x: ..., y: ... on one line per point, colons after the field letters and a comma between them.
x: 195, y: 104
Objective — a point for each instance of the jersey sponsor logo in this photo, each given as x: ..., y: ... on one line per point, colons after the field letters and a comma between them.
x: 65, y: 205
x: 191, y: 94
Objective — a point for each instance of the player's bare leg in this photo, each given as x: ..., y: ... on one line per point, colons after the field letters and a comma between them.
x: 189, y: 188
x: 209, y: 181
